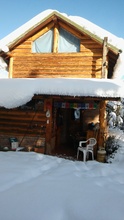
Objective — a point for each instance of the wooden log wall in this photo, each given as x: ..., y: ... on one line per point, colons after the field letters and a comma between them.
x: 14, y: 121
x: 85, y: 64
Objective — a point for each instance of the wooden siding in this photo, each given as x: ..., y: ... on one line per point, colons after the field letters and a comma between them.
x: 85, y: 64
x: 22, y: 122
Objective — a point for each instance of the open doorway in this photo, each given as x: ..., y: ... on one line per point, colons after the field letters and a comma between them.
x: 72, y: 124
x: 68, y: 127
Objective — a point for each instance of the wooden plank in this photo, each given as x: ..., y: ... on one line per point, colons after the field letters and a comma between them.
x: 61, y: 68
x: 55, y: 58
x: 8, y: 119
x: 59, y: 64
x: 92, y: 53
x: 26, y: 45
x: 55, y: 68
x: 60, y: 74
x: 16, y: 131
x: 90, y: 47
x: 82, y: 75
x: 22, y: 50
x: 88, y: 41
x: 53, y: 55
x: 18, y: 112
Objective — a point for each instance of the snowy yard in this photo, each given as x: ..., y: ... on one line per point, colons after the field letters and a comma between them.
x: 36, y: 186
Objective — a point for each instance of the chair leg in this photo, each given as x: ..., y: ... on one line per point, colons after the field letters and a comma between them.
x: 84, y: 156
x: 92, y: 156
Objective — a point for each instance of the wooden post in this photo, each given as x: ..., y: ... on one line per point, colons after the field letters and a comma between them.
x: 48, y: 110
x: 55, y: 39
x: 104, y: 59
x: 11, y: 67
x: 103, y: 123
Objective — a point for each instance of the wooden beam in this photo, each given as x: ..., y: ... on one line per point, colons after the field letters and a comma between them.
x: 71, y: 30
x: 43, y: 31
x: 11, y: 67
x: 55, y: 39
x: 105, y: 60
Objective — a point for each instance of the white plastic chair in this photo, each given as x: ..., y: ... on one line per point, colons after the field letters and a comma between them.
x: 88, y: 148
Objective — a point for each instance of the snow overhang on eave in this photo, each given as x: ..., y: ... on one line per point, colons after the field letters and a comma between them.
x: 16, y: 92
x: 3, y: 49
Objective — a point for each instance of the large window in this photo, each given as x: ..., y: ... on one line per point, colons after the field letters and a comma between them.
x: 66, y: 42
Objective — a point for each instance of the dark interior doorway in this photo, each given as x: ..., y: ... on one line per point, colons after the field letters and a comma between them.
x: 68, y: 132
x: 71, y: 124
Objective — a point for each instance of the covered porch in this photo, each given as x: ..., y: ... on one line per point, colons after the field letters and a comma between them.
x: 68, y: 107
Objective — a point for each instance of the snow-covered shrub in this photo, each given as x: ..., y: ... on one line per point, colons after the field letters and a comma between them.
x: 115, y: 114
x: 111, y: 147
x: 115, y: 120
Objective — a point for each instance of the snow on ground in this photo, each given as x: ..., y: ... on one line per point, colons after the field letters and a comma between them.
x: 36, y: 186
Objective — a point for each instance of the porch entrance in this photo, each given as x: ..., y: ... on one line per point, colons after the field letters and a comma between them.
x: 71, y: 126
x: 68, y: 131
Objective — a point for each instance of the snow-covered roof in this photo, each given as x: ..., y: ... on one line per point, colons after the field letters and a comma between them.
x: 79, y: 22
x: 115, y: 43
x: 16, y: 92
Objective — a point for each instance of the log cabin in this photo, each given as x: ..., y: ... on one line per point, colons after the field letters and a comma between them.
x: 52, y: 45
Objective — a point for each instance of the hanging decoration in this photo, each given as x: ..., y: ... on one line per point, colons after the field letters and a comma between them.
x: 48, y: 113
x: 87, y: 105
x: 77, y: 114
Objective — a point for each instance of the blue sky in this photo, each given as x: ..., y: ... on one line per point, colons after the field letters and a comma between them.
x: 107, y: 14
